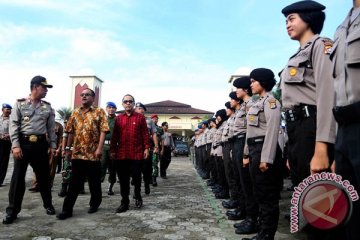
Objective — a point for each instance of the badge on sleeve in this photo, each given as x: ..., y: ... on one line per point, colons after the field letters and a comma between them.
x: 272, y: 103
x: 328, y: 43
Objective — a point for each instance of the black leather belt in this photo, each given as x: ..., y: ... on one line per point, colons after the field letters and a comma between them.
x: 255, y: 140
x: 349, y: 114
x: 33, y: 138
x: 300, y: 112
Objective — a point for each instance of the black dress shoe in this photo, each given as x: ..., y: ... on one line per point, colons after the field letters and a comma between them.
x: 222, y: 195
x: 9, y: 219
x: 248, y: 226
x: 239, y: 215
x: 262, y: 235
x: 164, y: 177
x: 122, y: 208
x: 34, y: 189
x: 50, y: 210
x: 230, y: 204
x: 138, y: 203
x: 92, y: 210
x: 64, y: 215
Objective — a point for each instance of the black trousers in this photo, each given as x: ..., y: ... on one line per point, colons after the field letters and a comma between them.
x: 165, y: 161
x: 207, y: 159
x: 347, y: 157
x: 221, y: 173
x: 82, y: 170
x: 35, y: 154
x: 5, y: 148
x: 301, y: 147
x: 147, y: 168
x: 126, y: 168
x: 229, y: 168
x: 212, y: 167
x: 107, y: 164
x: 266, y: 187
x: 251, y: 206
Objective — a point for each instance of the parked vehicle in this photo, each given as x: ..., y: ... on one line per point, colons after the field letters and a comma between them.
x: 181, y: 148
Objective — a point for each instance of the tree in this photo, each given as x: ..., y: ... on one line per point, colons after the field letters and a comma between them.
x: 64, y: 113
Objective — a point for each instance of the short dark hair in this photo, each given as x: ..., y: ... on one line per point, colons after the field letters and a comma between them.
x: 164, y: 123
x: 92, y: 91
x: 129, y: 96
x: 315, y: 20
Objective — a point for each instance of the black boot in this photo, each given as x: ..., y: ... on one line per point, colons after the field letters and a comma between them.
x: 110, y: 191
x: 63, y: 191
x: 154, y: 183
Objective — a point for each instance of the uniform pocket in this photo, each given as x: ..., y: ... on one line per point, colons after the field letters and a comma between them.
x: 294, y: 74
x: 253, y: 116
x: 353, y: 49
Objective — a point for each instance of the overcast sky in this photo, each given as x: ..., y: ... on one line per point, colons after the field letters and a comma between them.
x: 180, y: 50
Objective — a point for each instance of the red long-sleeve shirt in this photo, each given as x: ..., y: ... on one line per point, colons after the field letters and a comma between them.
x: 130, y: 137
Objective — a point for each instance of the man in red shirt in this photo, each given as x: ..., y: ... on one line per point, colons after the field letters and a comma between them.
x: 129, y: 146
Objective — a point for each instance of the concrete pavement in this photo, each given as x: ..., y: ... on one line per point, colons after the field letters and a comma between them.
x: 181, y: 207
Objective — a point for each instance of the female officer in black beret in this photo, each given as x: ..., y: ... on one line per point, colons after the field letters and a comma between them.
x: 308, y: 94
x: 263, y: 123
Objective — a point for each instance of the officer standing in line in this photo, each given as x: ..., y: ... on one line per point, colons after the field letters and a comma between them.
x: 31, y: 120
x: 5, y: 143
x: 346, y: 71
x: 201, y: 150
x: 106, y: 161
x: 205, y: 174
x: 155, y: 158
x: 239, y: 202
x: 221, y: 189
x: 263, y: 122
x: 209, y: 141
x: 308, y: 97
x: 233, y: 182
x: 243, y: 91
x: 306, y: 85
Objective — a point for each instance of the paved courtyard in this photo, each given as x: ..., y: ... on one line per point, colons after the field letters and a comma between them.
x: 181, y: 207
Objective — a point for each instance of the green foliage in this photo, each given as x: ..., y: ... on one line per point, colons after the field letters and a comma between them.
x: 64, y: 113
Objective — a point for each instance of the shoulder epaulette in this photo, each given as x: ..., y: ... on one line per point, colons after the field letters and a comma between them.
x: 21, y: 99
x: 45, y: 102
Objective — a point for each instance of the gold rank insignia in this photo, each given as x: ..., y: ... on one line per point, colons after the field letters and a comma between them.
x: 293, y: 72
x: 251, y: 118
x: 272, y: 103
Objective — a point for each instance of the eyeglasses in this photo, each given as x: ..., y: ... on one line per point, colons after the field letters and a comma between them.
x: 85, y: 95
x: 128, y: 101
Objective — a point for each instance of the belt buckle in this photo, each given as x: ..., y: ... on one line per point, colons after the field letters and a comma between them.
x: 33, y: 138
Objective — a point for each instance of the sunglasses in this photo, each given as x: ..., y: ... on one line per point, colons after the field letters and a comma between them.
x: 85, y: 95
x: 128, y: 101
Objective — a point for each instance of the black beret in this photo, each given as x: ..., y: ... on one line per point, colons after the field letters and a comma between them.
x: 303, y: 6
x: 40, y: 80
x: 232, y: 95
x: 139, y: 104
x: 211, y: 120
x: 221, y: 113
x: 262, y: 75
x: 227, y: 105
x: 242, y: 82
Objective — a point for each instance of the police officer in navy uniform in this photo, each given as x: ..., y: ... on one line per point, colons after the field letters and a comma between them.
x: 345, y: 56
x: 32, y: 122
x: 263, y: 122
